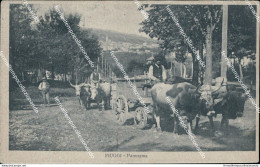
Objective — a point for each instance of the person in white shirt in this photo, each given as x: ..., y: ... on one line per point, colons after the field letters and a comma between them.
x: 44, y: 87
x: 157, y: 72
x: 95, y: 78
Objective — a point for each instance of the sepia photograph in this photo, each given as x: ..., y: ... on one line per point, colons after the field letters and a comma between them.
x: 129, y: 81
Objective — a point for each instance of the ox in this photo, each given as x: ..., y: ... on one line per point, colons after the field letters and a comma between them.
x: 101, y: 94
x: 231, y: 106
x: 87, y: 93
x: 186, y: 98
x: 228, y: 103
x: 82, y: 92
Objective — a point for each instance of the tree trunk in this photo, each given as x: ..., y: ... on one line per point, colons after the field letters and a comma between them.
x: 208, y: 74
x: 102, y: 66
x: 184, y: 71
x: 181, y: 68
x: 52, y: 72
x: 174, y: 69
x: 224, y: 41
x: 191, y: 70
x: 240, y: 69
x: 200, y: 68
x: 65, y: 77
x: 98, y: 70
x: 195, y: 73
x: 73, y: 74
x: 170, y: 71
x: 76, y: 76
x: 105, y: 75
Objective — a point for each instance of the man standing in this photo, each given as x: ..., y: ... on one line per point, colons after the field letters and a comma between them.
x: 157, y: 71
x: 44, y: 87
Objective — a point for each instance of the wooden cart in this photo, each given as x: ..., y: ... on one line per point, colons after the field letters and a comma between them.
x: 127, y: 106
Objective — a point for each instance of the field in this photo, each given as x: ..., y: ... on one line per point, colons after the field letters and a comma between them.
x: 49, y: 129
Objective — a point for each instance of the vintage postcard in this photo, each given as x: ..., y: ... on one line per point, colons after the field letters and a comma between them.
x: 129, y: 82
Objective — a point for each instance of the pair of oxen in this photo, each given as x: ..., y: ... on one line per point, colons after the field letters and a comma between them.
x: 191, y: 102
x: 89, y: 93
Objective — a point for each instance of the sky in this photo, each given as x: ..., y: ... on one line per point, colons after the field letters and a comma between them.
x: 121, y: 17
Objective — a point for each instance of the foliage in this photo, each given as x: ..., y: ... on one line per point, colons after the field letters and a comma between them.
x: 202, y: 24
x: 21, y: 35
x: 135, y: 68
x: 48, y: 45
x: 241, y: 32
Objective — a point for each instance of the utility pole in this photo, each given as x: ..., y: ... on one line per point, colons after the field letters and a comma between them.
x: 102, y: 56
x: 98, y: 65
x: 105, y: 68
x: 224, y: 41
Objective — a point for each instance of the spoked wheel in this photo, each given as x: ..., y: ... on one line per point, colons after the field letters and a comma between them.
x: 121, y: 109
x: 140, y: 118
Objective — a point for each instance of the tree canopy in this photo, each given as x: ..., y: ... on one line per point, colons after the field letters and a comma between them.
x: 47, y: 44
x: 202, y: 25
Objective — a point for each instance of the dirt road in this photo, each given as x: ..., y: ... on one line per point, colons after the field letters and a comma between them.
x: 49, y: 130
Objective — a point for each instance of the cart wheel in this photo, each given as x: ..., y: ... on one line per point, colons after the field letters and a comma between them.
x: 140, y: 118
x: 121, y: 109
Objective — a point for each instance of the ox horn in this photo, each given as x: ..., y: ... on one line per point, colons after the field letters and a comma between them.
x: 219, y: 86
x: 80, y: 85
x: 198, y: 88
x: 194, y: 91
x: 72, y: 85
x: 83, y: 84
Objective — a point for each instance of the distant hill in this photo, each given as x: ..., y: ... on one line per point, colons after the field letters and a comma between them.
x: 120, y: 37
x: 127, y: 48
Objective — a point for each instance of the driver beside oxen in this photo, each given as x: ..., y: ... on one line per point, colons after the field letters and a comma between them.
x: 157, y: 71
x: 95, y: 78
x: 95, y: 91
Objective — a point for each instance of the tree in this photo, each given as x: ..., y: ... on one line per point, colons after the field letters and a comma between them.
x: 47, y: 45
x: 197, y: 21
x: 134, y: 67
x: 241, y: 33
x: 206, y: 18
x: 224, y: 41
x: 21, y: 37
x: 55, y: 41
x: 62, y: 54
